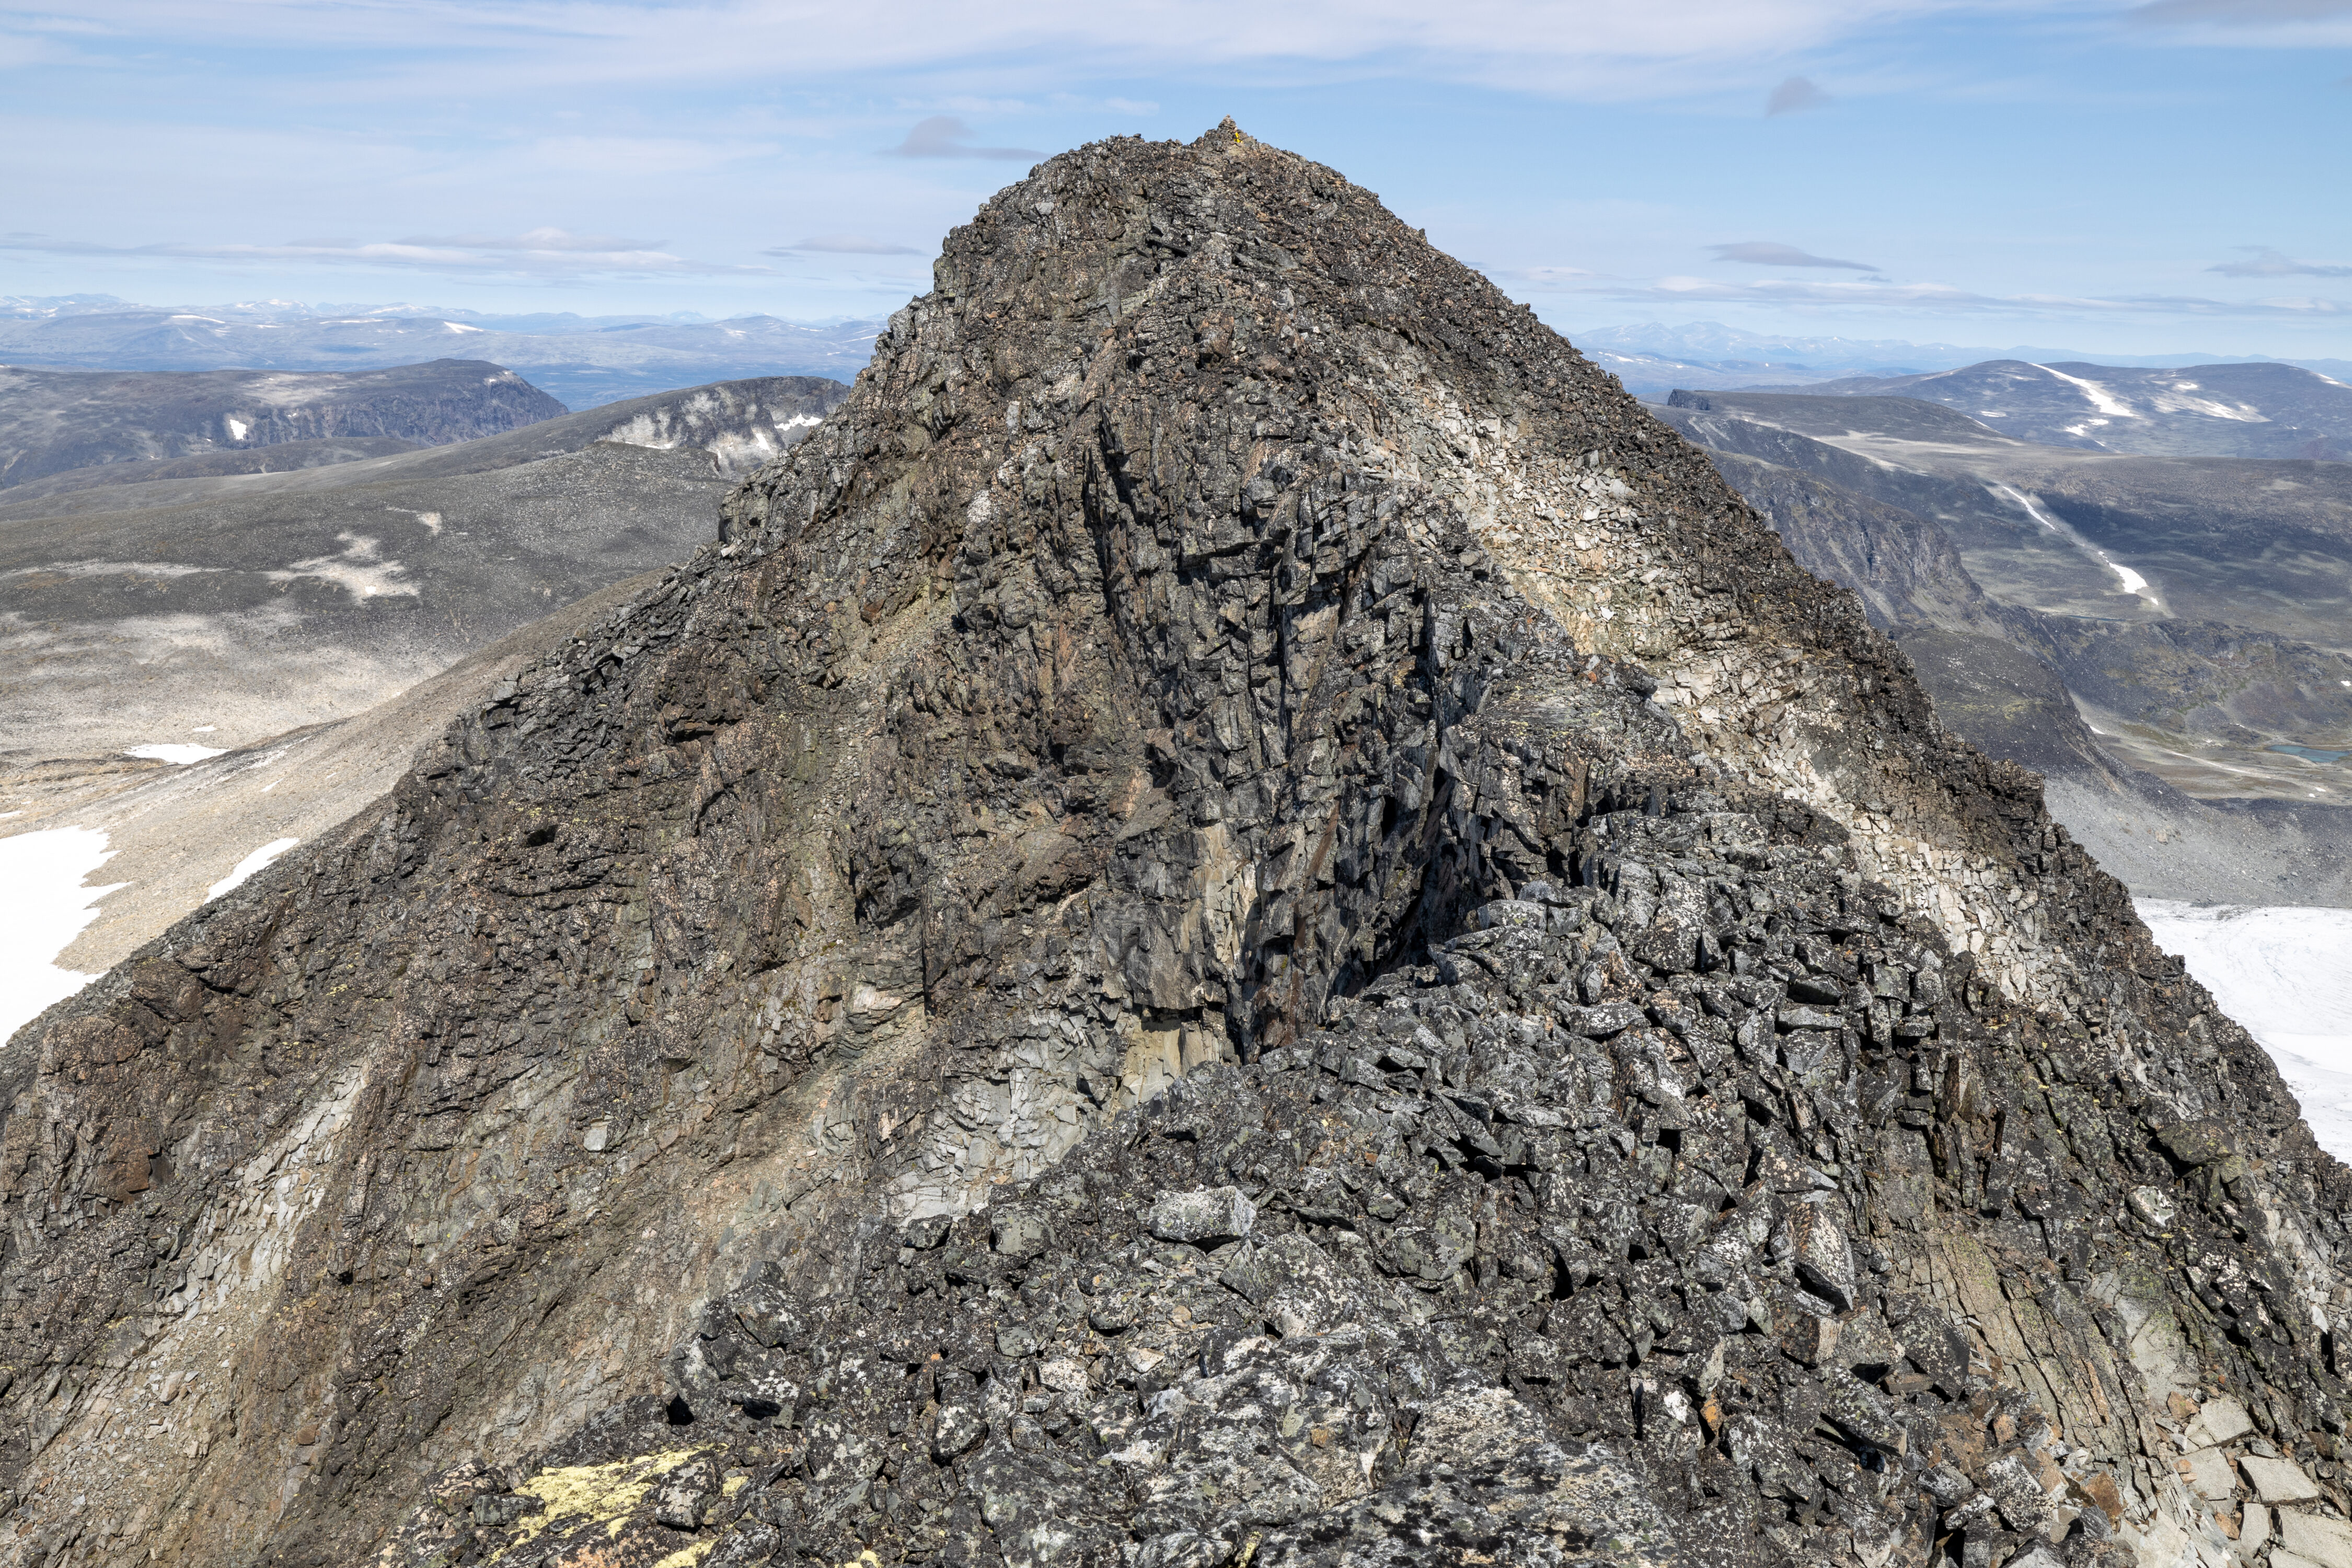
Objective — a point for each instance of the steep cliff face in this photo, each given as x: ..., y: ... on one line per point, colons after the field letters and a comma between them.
x: 1244, y: 919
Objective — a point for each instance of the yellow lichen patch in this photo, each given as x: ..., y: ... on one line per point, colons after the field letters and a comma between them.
x: 690, y: 1557
x: 733, y: 1484
x: 607, y: 1493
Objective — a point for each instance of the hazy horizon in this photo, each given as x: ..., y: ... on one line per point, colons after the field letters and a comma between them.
x: 1652, y: 336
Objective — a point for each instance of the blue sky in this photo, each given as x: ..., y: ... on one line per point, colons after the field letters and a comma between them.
x: 2129, y: 179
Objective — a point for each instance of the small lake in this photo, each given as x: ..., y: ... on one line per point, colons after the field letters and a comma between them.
x: 2308, y: 756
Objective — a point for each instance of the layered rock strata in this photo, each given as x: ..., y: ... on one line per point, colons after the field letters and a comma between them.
x: 1243, y: 920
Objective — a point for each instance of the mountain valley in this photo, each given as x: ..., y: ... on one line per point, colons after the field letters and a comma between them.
x: 316, y: 624
x: 2196, y: 607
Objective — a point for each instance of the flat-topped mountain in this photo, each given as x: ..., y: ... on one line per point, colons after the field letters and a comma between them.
x: 56, y: 420
x: 1246, y: 920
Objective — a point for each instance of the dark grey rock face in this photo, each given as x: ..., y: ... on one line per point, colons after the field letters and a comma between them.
x: 56, y: 420
x: 1245, y: 919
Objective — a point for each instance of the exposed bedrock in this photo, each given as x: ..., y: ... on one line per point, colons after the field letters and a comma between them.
x: 1244, y: 919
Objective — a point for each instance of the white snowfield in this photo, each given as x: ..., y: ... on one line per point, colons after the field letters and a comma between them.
x: 45, y: 907
x: 257, y: 861
x: 2285, y: 973
x: 2101, y: 398
x: 178, y: 753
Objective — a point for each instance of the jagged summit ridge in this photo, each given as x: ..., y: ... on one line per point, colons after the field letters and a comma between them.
x: 1231, y: 709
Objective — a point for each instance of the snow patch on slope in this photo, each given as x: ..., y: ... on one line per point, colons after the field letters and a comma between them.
x: 739, y: 444
x: 179, y: 753
x: 46, y: 908
x: 2282, y: 972
x: 2171, y: 400
x: 2132, y: 583
x: 359, y: 571
x: 2102, y: 400
x: 257, y: 861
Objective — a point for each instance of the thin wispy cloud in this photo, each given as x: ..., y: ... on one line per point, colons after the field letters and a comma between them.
x: 2245, y: 24
x: 845, y: 245
x: 1794, y: 96
x: 1589, y: 48
x: 945, y: 136
x: 538, y: 239
x: 2264, y: 263
x: 501, y: 257
x: 1929, y: 297
x: 2239, y: 13
x: 397, y: 138
x: 1764, y: 253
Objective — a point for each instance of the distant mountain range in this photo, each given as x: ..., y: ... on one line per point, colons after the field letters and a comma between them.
x: 590, y: 361
x: 52, y: 421
x: 1651, y: 358
x: 2255, y: 410
x: 585, y: 361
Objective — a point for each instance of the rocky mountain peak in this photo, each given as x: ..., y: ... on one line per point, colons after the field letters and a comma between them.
x: 1243, y: 918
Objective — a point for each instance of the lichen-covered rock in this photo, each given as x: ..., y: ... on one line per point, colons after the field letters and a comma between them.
x: 1204, y: 1215
x: 1244, y: 919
